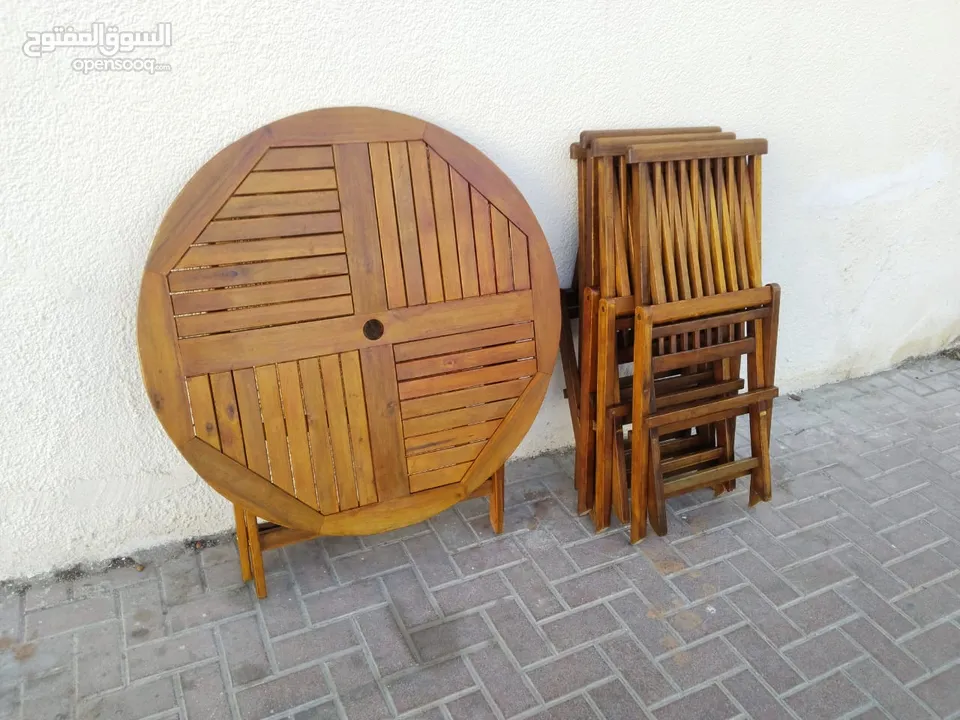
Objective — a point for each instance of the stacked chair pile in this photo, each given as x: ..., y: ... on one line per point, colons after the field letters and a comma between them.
x: 668, y: 279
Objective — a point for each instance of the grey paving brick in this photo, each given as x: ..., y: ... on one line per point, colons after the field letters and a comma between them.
x: 99, y: 659
x: 706, y: 581
x: 470, y: 594
x: 766, y: 661
x: 615, y: 702
x: 710, y: 546
x: 471, y: 707
x: 827, y: 699
x: 857, y: 507
x: 385, y: 640
x: 592, y: 586
x: 180, y: 579
x: 143, y: 612
x: 708, y: 704
x: 135, y: 701
x: 319, y: 642
x: 665, y: 559
x: 764, y: 616
x: 569, y: 673
x: 766, y: 516
x: 533, y: 590
x: 941, y: 692
x: 580, y: 627
x: 877, y: 609
x: 282, y: 693
x: 244, y: 651
x: 68, y: 616
x: 282, y: 610
x: 823, y: 653
x: 519, y: 634
x: 576, y: 708
x: 488, y: 556
x: 600, y: 550
x: 763, y: 544
x: 697, y: 664
x: 450, y: 637
x: 506, y: 685
x: 203, y: 693
x: 548, y: 556
x: 211, y: 607
x: 409, y: 598
x: 817, y: 612
x: 171, y: 653
x: 865, y: 539
x: 654, y: 633
x: 367, y: 563
x: 816, y: 574
x: 870, y: 572
x: 713, y: 515
x: 870, y: 678
x: 811, y: 511
x: 429, y: 684
x: 453, y: 532
x: 929, y: 604
x: 914, y: 535
x: 342, y: 601
x: 813, y: 541
x: 935, y: 647
x: 222, y: 575
x: 883, y: 650
x: 646, y: 679
x: 747, y: 690
x: 359, y: 692
x: 324, y: 711
x: 10, y: 702
x: 308, y: 563
x: 46, y: 595
x: 922, y: 568
x: 698, y: 621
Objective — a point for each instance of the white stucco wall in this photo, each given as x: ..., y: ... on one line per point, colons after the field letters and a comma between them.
x: 860, y: 101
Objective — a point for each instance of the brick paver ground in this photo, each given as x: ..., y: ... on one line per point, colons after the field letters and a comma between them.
x: 840, y: 599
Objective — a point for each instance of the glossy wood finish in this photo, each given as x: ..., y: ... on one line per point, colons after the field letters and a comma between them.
x: 347, y: 321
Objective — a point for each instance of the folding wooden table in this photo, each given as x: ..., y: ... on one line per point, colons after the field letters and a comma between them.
x: 347, y: 323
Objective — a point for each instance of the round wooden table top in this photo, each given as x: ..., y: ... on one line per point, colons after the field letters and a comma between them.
x: 348, y: 320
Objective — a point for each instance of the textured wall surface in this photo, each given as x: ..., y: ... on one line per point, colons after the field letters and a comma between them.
x: 859, y: 101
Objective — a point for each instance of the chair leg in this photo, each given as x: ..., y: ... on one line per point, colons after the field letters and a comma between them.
x: 760, y: 485
x: 621, y: 501
x: 496, y: 500
x: 256, y: 555
x: 607, y: 378
x: 585, y: 442
x: 657, y: 505
x: 639, y: 472
x: 243, y: 543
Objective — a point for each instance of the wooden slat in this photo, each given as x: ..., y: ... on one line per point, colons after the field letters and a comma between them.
x: 621, y: 144
x: 296, y: 157
x: 359, y: 213
x: 443, y: 458
x: 213, y: 353
x: 457, y: 418
x: 733, y: 197
x: 728, y: 259
x: 450, y: 438
x: 260, y: 250
x: 339, y: 431
x: 521, y: 261
x: 689, y: 358
x: 465, y: 360
x: 664, y: 237
x: 467, y: 378
x: 359, y: 430
x: 710, y: 322
x: 702, y: 307
x: 387, y: 224
x: 386, y: 432
x: 712, y: 217
x: 264, y: 316
x: 228, y: 418
x: 248, y: 404
x: 463, y: 341
x: 275, y: 430
x: 708, y: 478
x: 692, y: 230
x: 678, y: 226
x: 682, y: 397
x: 703, y: 229
x: 438, y: 478
x: 463, y: 221
x: 406, y: 223
x: 426, y: 222
x: 749, y: 219
x: 446, y: 231
x: 291, y: 203
x: 268, y: 227
x: 290, y: 291
x: 501, y: 250
x: 653, y: 152
x: 463, y: 398
x: 682, y: 462
x: 483, y: 239
x: 293, y: 412
x: 232, y: 275
x: 318, y: 431
x: 293, y: 181
x: 201, y: 405
x: 674, y: 419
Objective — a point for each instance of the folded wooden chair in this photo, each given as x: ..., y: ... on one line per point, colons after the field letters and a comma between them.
x: 696, y: 210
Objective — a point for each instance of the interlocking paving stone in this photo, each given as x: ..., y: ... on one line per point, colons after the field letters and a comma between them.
x: 841, y: 598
